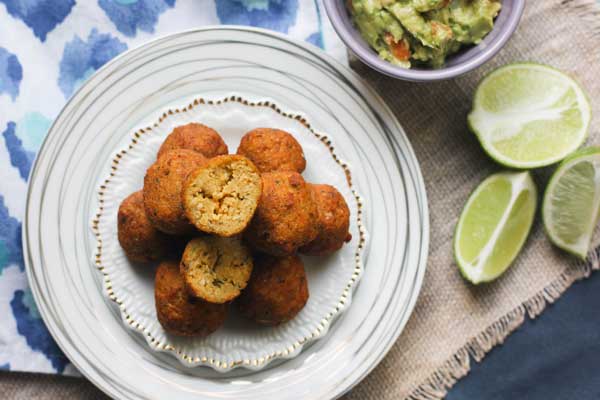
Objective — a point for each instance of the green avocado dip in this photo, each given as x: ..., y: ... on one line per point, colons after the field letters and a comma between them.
x: 422, y: 32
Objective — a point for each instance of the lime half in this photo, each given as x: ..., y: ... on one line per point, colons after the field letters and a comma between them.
x: 529, y: 115
x: 572, y: 202
x: 494, y: 225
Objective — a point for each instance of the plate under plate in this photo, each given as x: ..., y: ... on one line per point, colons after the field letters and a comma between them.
x: 58, y: 242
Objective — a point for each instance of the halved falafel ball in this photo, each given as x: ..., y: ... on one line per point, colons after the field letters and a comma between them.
x: 178, y: 312
x: 221, y: 196
x: 272, y: 150
x: 286, y: 216
x: 162, y: 190
x: 140, y: 240
x: 216, y: 269
x: 277, y: 290
x: 334, y: 221
x: 197, y: 137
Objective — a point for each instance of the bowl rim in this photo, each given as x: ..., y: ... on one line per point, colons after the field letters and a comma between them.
x: 370, y: 58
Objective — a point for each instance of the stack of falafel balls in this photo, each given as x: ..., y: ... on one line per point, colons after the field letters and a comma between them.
x: 229, y: 227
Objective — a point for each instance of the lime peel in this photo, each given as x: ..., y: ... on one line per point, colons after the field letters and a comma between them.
x: 564, y: 200
x: 482, y: 268
x: 543, y: 102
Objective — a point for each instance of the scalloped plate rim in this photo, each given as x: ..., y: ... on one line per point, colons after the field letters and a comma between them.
x: 164, y: 112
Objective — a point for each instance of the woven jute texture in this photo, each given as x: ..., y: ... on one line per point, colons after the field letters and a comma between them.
x: 453, y: 322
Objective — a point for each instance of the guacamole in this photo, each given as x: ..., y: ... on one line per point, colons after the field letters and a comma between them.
x: 422, y: 32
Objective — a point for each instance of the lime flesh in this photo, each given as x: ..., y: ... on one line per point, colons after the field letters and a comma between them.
x: 494, y: 225
x: 572, y: 202
x: 529, y: 115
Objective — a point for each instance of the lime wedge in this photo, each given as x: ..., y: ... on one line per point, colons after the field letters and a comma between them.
x: 529, y: 115
x: 494, y: 225
x: 572, y: 201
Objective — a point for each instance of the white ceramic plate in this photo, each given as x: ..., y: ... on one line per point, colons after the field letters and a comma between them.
x: 213, y: 62
x: 239, y: 342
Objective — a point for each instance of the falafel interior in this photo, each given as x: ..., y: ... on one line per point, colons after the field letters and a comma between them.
x: 216, y: 269
x: 221, y: 196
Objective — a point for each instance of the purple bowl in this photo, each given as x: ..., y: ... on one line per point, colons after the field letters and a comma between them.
x: 457, y: 64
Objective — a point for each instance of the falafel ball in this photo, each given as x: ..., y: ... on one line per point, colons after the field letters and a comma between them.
x: 215, y: 268
x: 162, y: 190
x: 272, y: 150
x: 180, y: 314
x: 221, y: 196
x: 137, y: 236
x: 286, y: 216
x: 197, y: 137
x: 277, y: 290
x: 334, y: 221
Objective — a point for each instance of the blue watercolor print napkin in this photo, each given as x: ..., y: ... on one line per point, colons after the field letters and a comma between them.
x: 48, y: 48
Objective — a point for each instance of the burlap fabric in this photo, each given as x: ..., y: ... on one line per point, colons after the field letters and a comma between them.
x: 453, y: 321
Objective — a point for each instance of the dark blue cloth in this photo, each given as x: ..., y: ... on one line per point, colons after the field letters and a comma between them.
x: 556, y: 356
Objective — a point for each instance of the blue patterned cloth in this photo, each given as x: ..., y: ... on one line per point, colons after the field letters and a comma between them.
x: 48, y: 48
